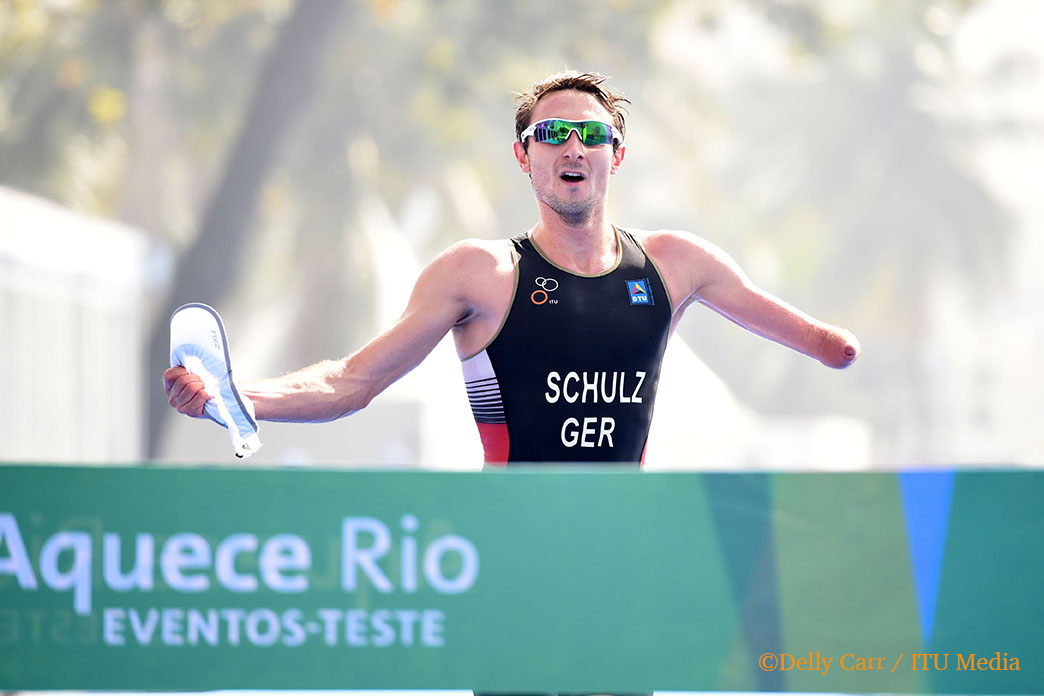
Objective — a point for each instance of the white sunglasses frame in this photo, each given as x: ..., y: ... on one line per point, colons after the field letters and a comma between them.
x: 616, y: 139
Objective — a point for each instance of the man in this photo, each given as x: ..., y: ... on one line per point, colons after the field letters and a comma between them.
x: 561, y: 330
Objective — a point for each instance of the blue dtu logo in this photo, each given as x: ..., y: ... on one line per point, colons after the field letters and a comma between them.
x: 638, y: 290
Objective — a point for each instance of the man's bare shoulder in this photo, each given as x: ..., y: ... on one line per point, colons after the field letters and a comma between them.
x: 478, y: 277
x: 665, y: 245
x: 475, y: 274
x: 478, y: 255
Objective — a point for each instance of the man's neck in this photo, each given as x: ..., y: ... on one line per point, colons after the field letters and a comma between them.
x: 587, y: 249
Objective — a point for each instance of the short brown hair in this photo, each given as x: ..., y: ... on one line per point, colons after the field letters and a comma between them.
x: 572, y: 79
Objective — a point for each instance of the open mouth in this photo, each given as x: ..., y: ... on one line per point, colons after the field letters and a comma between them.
x: 571, y: 177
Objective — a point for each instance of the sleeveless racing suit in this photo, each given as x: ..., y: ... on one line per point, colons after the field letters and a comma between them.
x: 572, y: 374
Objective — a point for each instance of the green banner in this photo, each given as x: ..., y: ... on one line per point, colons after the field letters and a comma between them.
x: 185, y: 579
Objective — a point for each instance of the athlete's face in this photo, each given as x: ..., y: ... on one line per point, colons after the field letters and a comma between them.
x: 570, y: 179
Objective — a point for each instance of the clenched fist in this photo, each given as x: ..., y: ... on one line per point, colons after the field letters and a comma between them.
x: 185, y: 391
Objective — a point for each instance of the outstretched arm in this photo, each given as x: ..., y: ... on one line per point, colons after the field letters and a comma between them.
x: 701, y: 272
x: 334, y: 388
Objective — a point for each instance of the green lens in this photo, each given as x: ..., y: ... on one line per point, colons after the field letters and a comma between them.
x: 561, y: 130
x: 595, y: 133
x: 552, y: 131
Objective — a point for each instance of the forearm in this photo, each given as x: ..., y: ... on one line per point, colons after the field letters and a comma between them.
x: 771, y: 318
x: 833, y: 346
x: 322, y: 392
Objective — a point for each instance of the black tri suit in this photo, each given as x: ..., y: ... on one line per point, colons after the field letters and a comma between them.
x: 572, y: 374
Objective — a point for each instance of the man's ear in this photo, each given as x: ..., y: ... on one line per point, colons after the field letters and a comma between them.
x: 618, y: 158
x: 522, y: 156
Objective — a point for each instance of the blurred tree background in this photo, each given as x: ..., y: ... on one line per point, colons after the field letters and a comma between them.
x: 840, y: 151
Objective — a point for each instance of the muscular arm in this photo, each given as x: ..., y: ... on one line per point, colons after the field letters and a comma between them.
x: 701, y: 272
x: 442, y: 298
x: 335, y: 388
